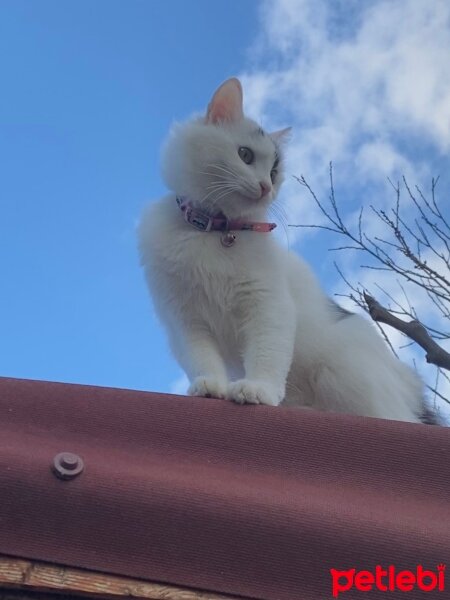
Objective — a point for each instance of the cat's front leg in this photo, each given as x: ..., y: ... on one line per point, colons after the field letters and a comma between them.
x: 251, y: 391
x: 208, y: 386
x: 268, y: 351
x: 199, y: 355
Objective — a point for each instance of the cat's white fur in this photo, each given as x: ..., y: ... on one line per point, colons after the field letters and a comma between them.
x: 250, y: 322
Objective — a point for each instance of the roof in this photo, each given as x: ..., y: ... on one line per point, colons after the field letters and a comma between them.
x: 254, y: 501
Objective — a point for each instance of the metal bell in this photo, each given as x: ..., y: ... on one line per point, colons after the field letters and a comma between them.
x: 228, y: 239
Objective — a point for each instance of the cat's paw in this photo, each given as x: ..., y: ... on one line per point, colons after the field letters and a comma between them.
x: 247, y: 391
x: 207, y: 387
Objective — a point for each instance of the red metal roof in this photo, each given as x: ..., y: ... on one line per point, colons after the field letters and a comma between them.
x: 247, y: 500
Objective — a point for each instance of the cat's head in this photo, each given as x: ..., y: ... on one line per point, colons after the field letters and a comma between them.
x: 224, y: 162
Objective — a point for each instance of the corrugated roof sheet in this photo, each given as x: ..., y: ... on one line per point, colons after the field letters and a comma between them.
x: 246, y: 500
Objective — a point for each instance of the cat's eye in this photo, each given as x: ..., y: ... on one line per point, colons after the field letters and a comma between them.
x: 274, y: 171
x: 246, y: 154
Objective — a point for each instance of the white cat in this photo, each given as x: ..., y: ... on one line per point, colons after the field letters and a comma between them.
x: 246, y: 319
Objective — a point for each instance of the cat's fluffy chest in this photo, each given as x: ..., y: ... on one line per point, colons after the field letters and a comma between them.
x: 199, y: 258
x: 201, y: 278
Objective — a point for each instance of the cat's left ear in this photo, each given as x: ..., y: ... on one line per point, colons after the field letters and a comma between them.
x: 226, y: 104
x: 282, y: 136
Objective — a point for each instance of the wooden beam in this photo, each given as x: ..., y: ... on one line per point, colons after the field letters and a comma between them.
x: 34, y: 576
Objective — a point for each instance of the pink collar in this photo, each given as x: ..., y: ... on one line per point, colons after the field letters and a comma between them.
x: 204, y: 222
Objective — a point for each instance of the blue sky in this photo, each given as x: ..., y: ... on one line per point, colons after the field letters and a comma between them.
x: 89, y: 89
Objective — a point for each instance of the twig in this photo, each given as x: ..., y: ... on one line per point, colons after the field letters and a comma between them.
x: 413, y: 329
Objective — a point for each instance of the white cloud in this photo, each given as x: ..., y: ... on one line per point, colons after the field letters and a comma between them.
x: 363, y: 84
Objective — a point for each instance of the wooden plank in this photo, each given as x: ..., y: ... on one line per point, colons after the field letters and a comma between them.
x: 24, y: 595
x: 44, y: 577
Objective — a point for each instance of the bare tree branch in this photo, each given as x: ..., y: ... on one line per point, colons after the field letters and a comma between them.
x: 413, y: 329
x: 415, y: 248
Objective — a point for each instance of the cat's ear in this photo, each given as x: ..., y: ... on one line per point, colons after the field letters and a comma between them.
x: 226, y: 104
x: 281, y: 136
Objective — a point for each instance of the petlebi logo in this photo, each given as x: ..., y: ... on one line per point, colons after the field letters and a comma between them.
x: 388, y: 579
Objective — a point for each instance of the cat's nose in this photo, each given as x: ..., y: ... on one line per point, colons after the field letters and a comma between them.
x: 265, y: 188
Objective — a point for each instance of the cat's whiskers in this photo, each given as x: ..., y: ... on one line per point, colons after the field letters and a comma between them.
x: 219, y: 179
x: 279, y: 212
x: 227, y: 170
x: 277, y: 203
x: 225, y: 188
x: 242, y: 185
x: 280, y: 216
x: 237, y: 177
x: 206, y: 196
x: 216, y: 175
x: 222, y: 196
x: 217, y: 184
x: 222, y: 184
